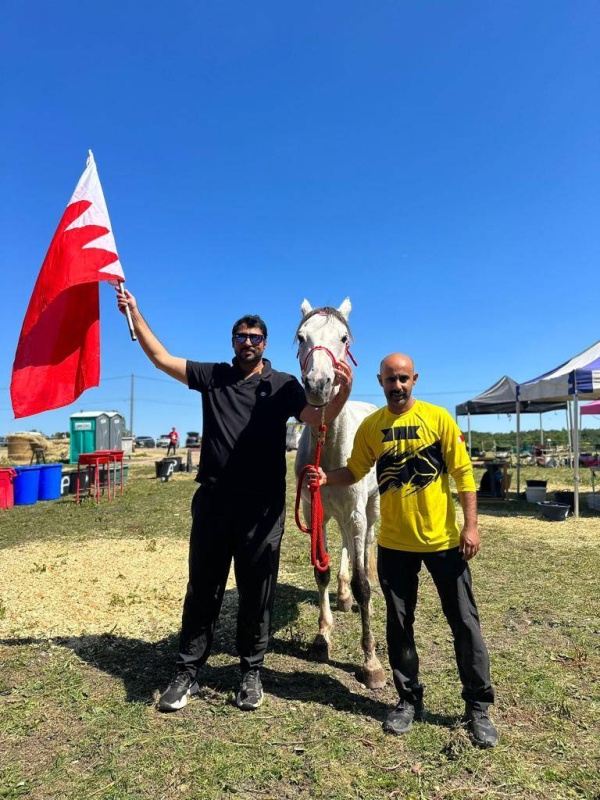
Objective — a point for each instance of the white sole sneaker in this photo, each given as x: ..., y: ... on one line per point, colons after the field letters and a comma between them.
x: 166, y: 704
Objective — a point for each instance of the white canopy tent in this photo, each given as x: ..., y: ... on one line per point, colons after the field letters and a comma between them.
x: 575, y: 380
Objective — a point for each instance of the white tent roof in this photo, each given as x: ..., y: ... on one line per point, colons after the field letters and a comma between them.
x: 580, y: 376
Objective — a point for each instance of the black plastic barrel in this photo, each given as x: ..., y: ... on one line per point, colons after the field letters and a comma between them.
x: 165, y: 468
x: 84, y: 481
x: 65, y: 482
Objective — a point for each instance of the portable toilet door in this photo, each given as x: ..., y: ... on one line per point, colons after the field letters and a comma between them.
x: 102, y: 432
x: 82, y: 436
x: 89, y: 432
x: 116, y: 425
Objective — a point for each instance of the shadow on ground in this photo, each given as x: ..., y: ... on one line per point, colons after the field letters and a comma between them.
x: 145, y: 666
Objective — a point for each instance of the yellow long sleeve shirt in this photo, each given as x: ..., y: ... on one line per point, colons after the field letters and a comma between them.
x: 414, y: 454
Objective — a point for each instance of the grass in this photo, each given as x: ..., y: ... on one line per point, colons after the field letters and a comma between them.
x: 90, y: 602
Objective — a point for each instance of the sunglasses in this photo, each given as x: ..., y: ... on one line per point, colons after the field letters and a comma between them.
x: 255, y: 338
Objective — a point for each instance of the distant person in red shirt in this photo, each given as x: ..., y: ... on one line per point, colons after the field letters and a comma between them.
x: 173, y: 441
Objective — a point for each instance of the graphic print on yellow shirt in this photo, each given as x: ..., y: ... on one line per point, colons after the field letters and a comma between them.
x: 414, y: 454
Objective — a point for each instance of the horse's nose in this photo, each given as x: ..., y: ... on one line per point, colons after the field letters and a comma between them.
x: 318, y: 388
x: 321, y: 386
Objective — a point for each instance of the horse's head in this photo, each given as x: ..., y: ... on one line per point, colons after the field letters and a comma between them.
x: 323, y: 340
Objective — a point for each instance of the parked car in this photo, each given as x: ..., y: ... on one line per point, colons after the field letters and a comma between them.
x: 3, y: 441
x: 163, y: 441
x: 193, y: 439
x: 144, y: 441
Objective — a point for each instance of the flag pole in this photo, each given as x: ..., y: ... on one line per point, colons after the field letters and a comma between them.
x: 128, y: 318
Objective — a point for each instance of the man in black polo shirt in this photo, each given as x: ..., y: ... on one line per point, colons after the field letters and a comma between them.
x: 238, y: 511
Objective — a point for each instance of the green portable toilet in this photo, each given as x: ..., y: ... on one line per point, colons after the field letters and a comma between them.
x: 90, y: 431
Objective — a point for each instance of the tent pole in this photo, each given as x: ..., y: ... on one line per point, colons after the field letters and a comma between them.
x: 541, y: 431
x: 518, y: 448
x: 576, y: 452
x: 469, y: 425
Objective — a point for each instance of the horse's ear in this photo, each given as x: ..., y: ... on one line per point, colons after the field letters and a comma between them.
x: 345, y: 308
x: 305, y: 308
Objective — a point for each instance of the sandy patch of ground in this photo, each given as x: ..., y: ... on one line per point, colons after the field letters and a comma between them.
x: 130, y: 586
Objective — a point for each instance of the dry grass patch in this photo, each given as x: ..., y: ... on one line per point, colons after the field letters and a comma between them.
x: 131, y: 586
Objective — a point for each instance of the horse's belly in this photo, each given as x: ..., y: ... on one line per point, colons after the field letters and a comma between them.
x: 340, y: 502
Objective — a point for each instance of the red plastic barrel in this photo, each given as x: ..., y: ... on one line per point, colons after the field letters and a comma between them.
x: 7, y: 494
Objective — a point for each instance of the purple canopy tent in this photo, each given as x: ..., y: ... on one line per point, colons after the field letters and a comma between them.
x: 591, y: 408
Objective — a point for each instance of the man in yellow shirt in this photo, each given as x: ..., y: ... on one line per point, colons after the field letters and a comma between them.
x: 415, y: 446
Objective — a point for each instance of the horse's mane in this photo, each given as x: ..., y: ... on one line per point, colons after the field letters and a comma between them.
x: 328, y: 311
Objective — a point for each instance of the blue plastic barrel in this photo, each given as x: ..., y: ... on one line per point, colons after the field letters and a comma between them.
x: 27, y: 485
x: 50, y: 479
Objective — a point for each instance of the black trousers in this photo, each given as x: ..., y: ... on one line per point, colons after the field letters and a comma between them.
x: 398, y: 573
x: 249, y: 531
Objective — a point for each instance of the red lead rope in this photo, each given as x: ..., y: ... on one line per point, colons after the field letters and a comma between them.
x: 319, y: 557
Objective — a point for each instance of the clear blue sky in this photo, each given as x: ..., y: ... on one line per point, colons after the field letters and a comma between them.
x: 436, y: 162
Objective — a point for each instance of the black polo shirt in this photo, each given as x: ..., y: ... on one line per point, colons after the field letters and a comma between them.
x: 244, y: 425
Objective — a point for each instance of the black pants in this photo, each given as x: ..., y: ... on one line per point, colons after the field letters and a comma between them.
x: 247, y: 530
x: 398, y: 573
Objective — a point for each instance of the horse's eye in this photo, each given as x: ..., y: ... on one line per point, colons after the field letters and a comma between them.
x: 301, y: 339
x: 345, y: 338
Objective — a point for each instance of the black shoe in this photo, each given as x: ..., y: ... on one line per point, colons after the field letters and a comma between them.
x: 250, y: 695
x: 480, y: 727
x: 177, y: 692
x: 400, y: 720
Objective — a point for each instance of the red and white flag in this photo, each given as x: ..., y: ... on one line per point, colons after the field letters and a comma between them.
x: 58, y: 354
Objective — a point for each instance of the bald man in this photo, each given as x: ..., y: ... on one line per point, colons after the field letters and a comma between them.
x: 415, y: 446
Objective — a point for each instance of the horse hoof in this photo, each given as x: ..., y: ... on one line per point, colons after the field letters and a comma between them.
x: 374, y: 678
x: 345, y: 603
x: 319, y: 650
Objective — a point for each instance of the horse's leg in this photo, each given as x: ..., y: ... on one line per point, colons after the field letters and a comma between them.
x: 344, y: 595
x: 373, y: 673
x: 321, y: 647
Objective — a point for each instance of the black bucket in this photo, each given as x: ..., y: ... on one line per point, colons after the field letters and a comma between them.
x: 566, y: 498
x: 165, y: 468
x: 556, y: 512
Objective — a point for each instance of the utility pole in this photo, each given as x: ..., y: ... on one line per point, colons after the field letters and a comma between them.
x: 131, y: 406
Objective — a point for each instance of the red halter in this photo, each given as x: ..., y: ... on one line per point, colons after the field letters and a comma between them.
x: 334, y: 360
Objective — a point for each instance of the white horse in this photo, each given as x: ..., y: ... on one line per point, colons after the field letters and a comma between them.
x: 323, y: 339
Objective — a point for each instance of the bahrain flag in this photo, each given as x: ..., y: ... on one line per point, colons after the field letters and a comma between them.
x: 58, y: 354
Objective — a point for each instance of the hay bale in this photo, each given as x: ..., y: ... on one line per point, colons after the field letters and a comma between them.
x: 22, y: 444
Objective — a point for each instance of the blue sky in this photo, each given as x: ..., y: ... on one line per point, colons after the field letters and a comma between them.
x: 437, y: 162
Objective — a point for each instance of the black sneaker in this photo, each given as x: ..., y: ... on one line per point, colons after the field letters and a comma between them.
x: 400, y: 720
x: 480, y: 727
x: 177, y: 692
x: 250, y: 695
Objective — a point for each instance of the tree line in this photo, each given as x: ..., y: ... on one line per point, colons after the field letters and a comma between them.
x: 589, y: 439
